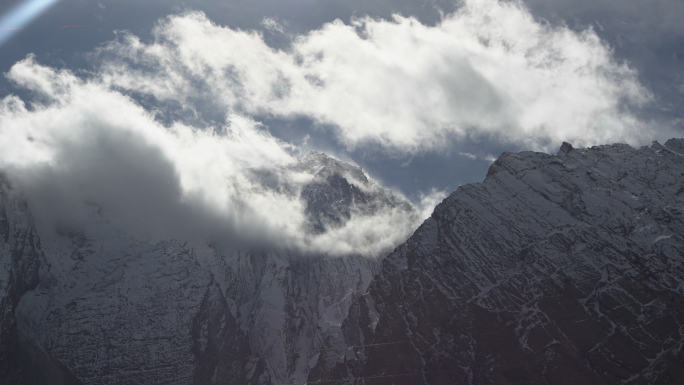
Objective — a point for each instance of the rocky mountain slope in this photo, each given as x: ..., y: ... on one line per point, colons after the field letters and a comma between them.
x: 557, y: 269
x: 92, y: 305
x: 20, y: 258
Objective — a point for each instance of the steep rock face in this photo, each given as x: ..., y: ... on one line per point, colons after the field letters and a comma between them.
x: 557, y: 269
x: 289, y: 306
x: 20, y: 258
x: 112, y: 309
x: 109, y: 309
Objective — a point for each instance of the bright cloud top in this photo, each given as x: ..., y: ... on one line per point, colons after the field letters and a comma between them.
x: 83, y: 142
x: 489, y: 70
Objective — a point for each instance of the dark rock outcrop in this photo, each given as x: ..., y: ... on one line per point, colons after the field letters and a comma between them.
x: 103, y: 307
x: 20, y: 259
x: 557, y: 269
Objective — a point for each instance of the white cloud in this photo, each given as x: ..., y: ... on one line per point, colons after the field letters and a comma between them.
x: 429, y: 200
x: 84, y: 142
x: 468, y: 155
x: 488, y: 70
x: 272, y: 25
x: 367, y: 235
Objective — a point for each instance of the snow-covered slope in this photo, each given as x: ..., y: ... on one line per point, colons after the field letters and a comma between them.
x: 110, y: 309
x: 557, y: 269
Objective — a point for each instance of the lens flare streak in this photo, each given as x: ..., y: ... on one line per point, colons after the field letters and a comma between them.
x: 20, y: 16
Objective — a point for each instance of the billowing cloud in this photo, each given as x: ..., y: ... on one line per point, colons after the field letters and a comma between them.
x: 163, y: 136
x: 430, y: 199
x: 489, y: 70
x: 83, y: 142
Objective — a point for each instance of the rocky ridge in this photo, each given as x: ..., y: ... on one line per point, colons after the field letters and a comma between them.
x: 557, y: 269
x: 103, y: 307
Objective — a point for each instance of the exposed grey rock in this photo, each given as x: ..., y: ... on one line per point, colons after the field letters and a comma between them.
x: 565, y: 268
x: 20, y: 259
x: 105, y: 308
x: 557, y: 269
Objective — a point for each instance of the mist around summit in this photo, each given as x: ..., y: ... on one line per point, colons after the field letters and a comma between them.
x: 421, y: 192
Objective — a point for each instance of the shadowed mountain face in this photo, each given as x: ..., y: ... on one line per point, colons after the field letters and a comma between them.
x: 93, y: 305
x: 557, y: 269
x: 20, y: 259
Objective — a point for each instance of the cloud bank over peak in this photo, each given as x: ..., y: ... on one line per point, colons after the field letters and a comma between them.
x: 82, y: 142
x: 165, y: 136
x: 489, y: 70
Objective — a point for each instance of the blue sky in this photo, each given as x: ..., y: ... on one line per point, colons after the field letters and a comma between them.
x: 423, y: 101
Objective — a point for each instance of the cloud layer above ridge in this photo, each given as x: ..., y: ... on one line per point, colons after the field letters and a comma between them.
x: 487, y: 72
x: 82, y: 142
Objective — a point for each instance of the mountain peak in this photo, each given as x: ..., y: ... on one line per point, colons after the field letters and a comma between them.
x: 566, y: 147
x: 315, y: 160
x: 554, y: 267
x: 675, y: 145
x: 332, y: 191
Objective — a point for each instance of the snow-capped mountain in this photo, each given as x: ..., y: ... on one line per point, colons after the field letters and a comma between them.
x: 336, y: 191
x: 90, y: 304
x: 565, y: 268
x: 557, y: 269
